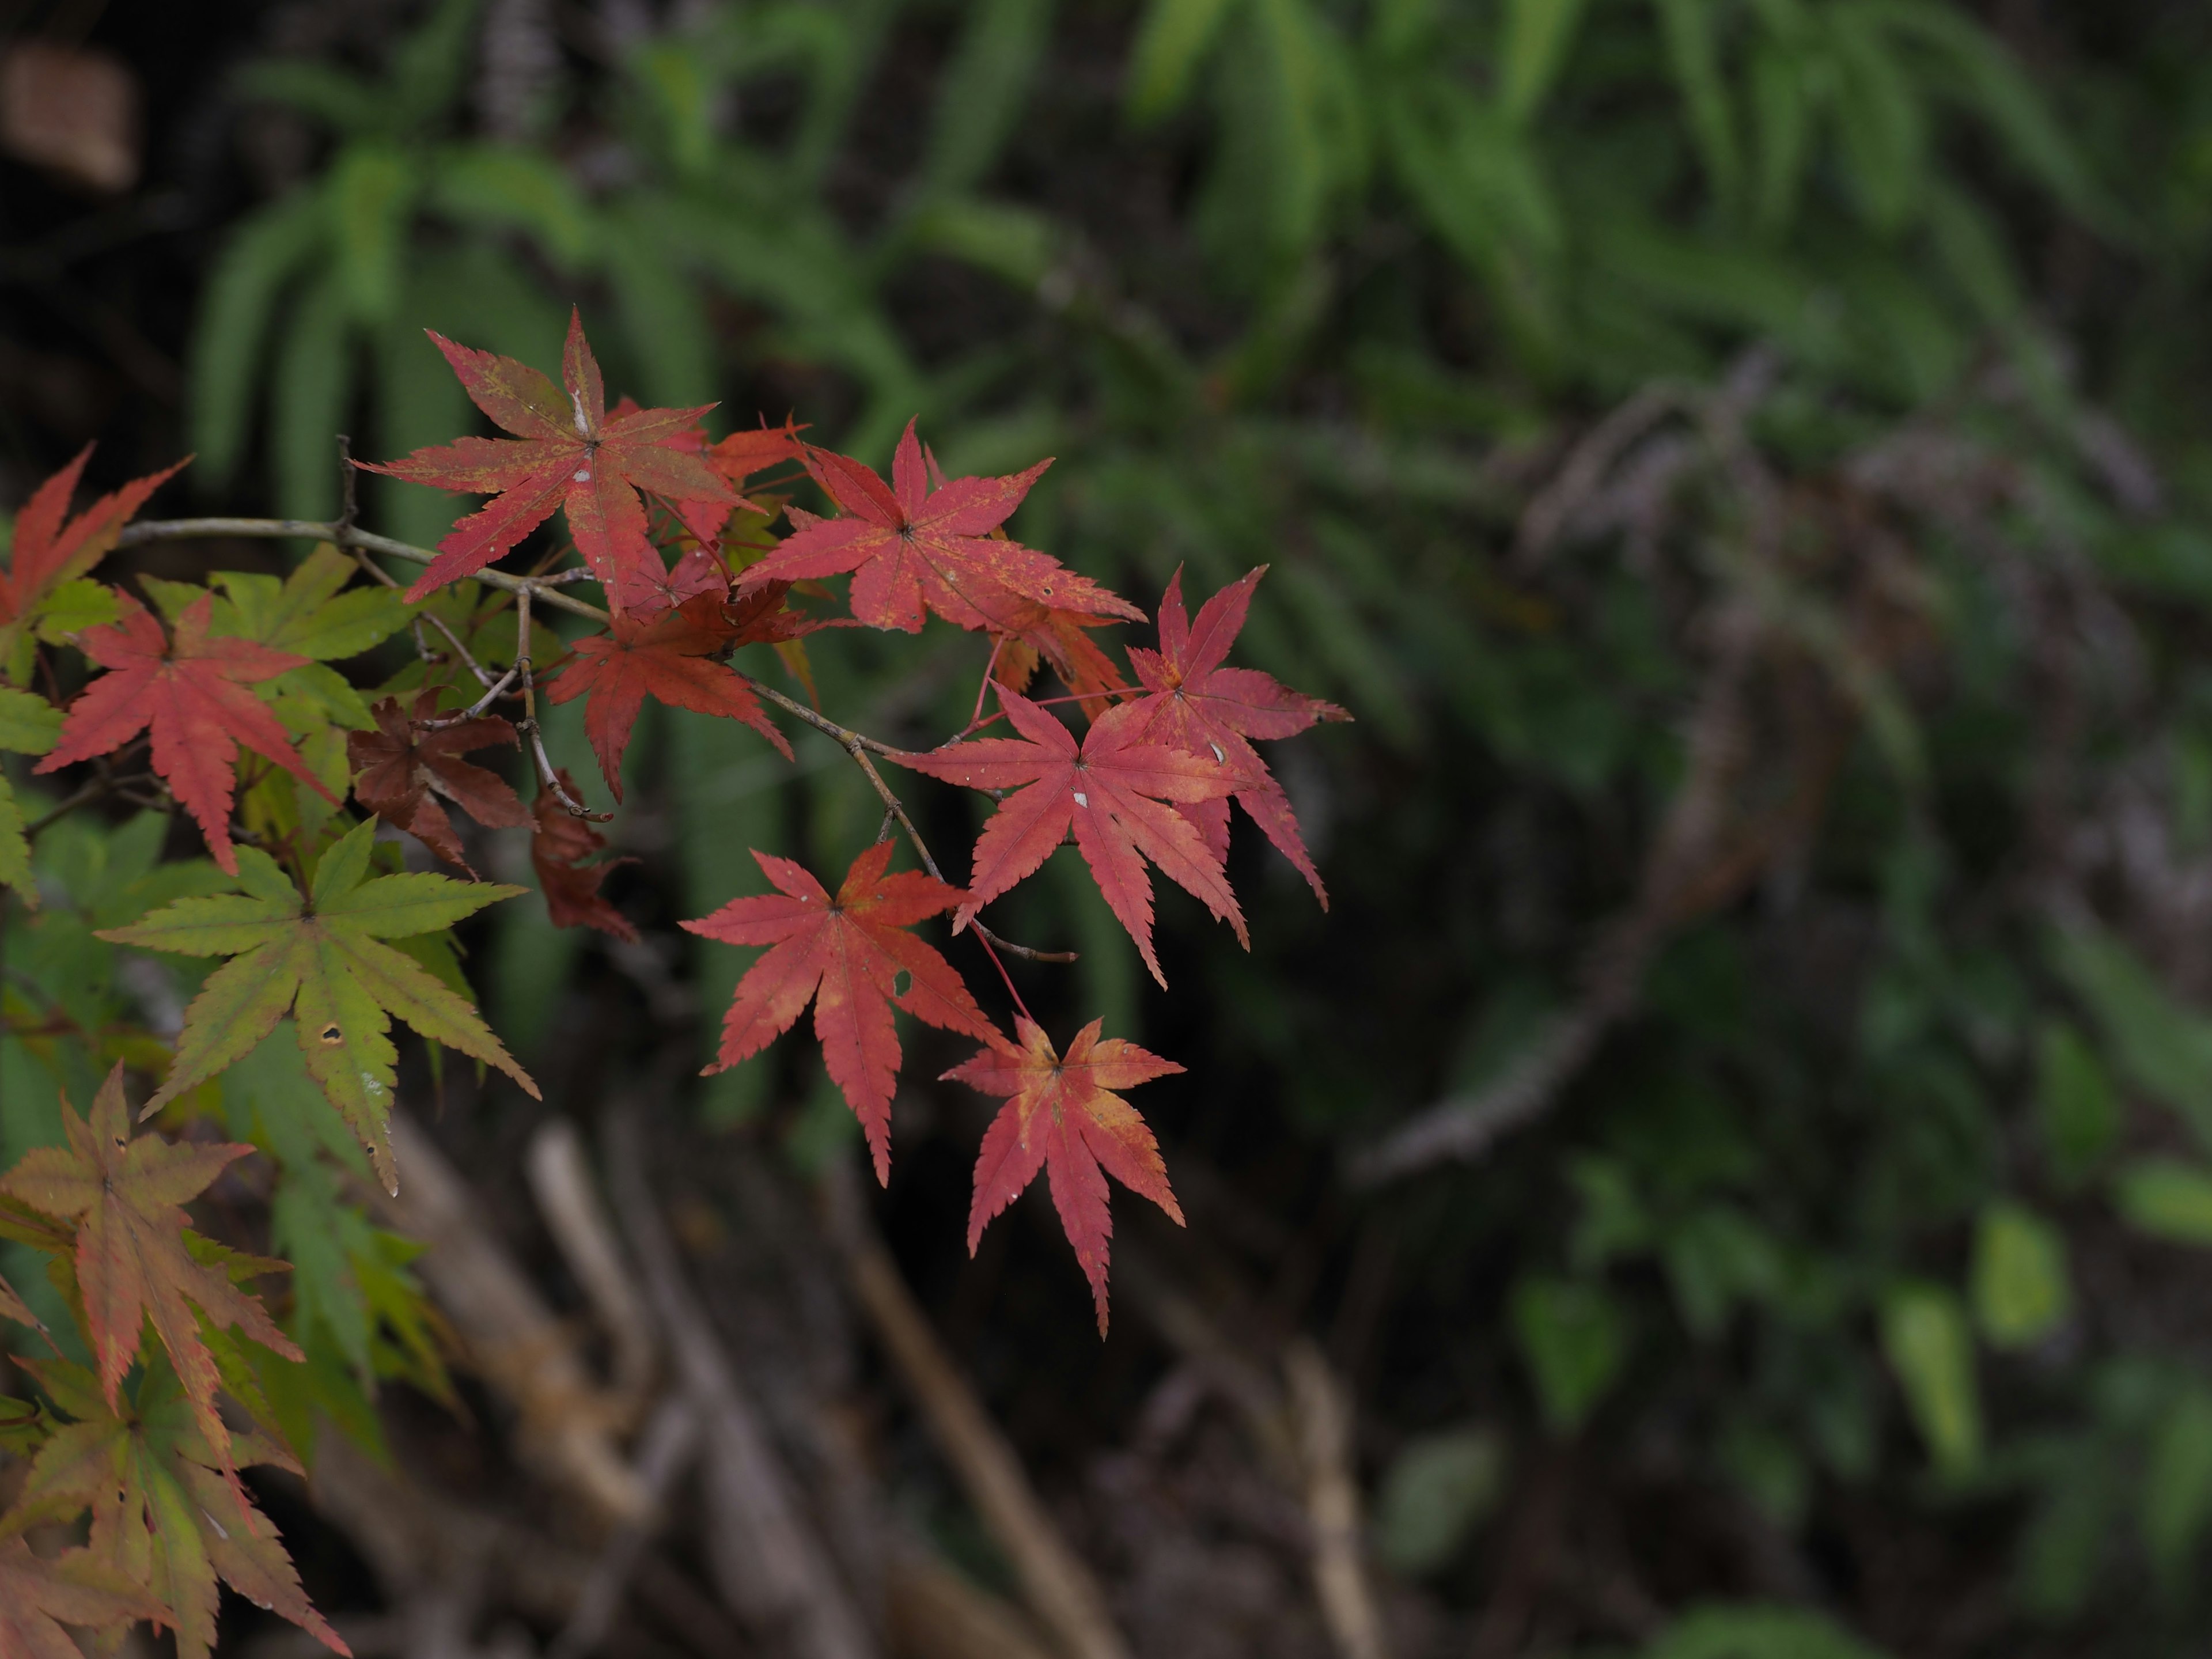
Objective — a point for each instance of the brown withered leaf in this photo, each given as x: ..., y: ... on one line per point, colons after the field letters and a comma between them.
x: 402, y: 769
x: 561, y: 844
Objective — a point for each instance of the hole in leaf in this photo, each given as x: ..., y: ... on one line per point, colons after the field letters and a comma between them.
x: 899, y: 983
x: 331, y: 1034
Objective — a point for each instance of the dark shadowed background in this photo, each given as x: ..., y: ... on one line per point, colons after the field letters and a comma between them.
x: 1737, y: 1145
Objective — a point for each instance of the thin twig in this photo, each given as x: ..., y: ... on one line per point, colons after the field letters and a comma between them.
x: 859, y: 745
x: 341, y: 534
x: 548, y: 776
x: 493, y: 693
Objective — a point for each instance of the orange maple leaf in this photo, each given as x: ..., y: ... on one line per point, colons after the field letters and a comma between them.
x: 124, y: 1195
x: 845, y: 953
x: 36, y: 1598
x: 1064, y: 1117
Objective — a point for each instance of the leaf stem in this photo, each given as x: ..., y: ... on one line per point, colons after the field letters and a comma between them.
x: 859, y: 746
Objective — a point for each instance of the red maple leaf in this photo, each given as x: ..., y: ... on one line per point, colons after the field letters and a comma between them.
x: 131, y: 1262
x: 910, y: 546
x: 1112, y: 789
x: 566, y: 454
x: 559, y: 845
x: 1196, y: 704
x: 1064, y: 1117
x: 402, y: 766
x: 846, y: 953
x: 192, y: 692
x: 52, y: 548
x: 668, y: 656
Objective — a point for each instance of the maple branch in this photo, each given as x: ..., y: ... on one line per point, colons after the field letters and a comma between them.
x: 548, y: 776
x: 104, y: 783
x: 1056, y: 1582
x: 340, y: 533
x: 493, y: 693
x: 859, y: 745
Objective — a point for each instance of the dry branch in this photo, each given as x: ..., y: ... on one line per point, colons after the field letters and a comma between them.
x: 510, y: 1335
x: 768, y: 1560
x: 1059, y: 1587
x: 561, y: 1182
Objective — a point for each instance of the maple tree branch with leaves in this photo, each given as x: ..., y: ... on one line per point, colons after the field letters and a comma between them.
x: 322, y: 933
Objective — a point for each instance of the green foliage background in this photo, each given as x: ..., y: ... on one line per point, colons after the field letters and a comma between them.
x: 1880, y: 1201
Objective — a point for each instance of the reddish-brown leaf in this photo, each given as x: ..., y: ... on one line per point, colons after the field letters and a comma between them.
x: 1064, y: 1117
x: 1031, y: 633
x: 36, y: 1598
x: 402, y: 769
x: 566, y: 454
x: 52, y: 548
x: 559, y: 845
x: 192, y: 692
x: 743, y: 453
x: 911, y: 547
x: 1198, y: 705
x: 124, y: 1195
x: 846, y: 953
x: 668, y: 656
x: 1113, y: 789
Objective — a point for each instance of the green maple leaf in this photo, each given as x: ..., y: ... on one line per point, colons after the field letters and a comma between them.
x: 164, y: 1515
x: 321, y: 959
x: 29, y: 725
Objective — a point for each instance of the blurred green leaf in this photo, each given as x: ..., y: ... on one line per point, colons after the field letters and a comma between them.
x: 313, y: 392
x: 372, y: 193
x: 1923, y: 1332
x: 2162, y: 1047
x: 1008, y: 242
x: 1717, y: 1257
x: 2077, y: 1108
x: 1171, y: 43
x: 1573, y: 1340
x: 504, y: 186
x: 1538, y: 35
x: 981, y: 93
x: 2021, y: 1289
x: 1691, y: 28
x: 1883, y: 129
x: 427, y: 70
x: 241, y: 299
x: 2176, y: 1500
x: 1436, y: 1490
x: 337, y: 97
x: 1751, y: 1631
x: 2167, y: 1199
